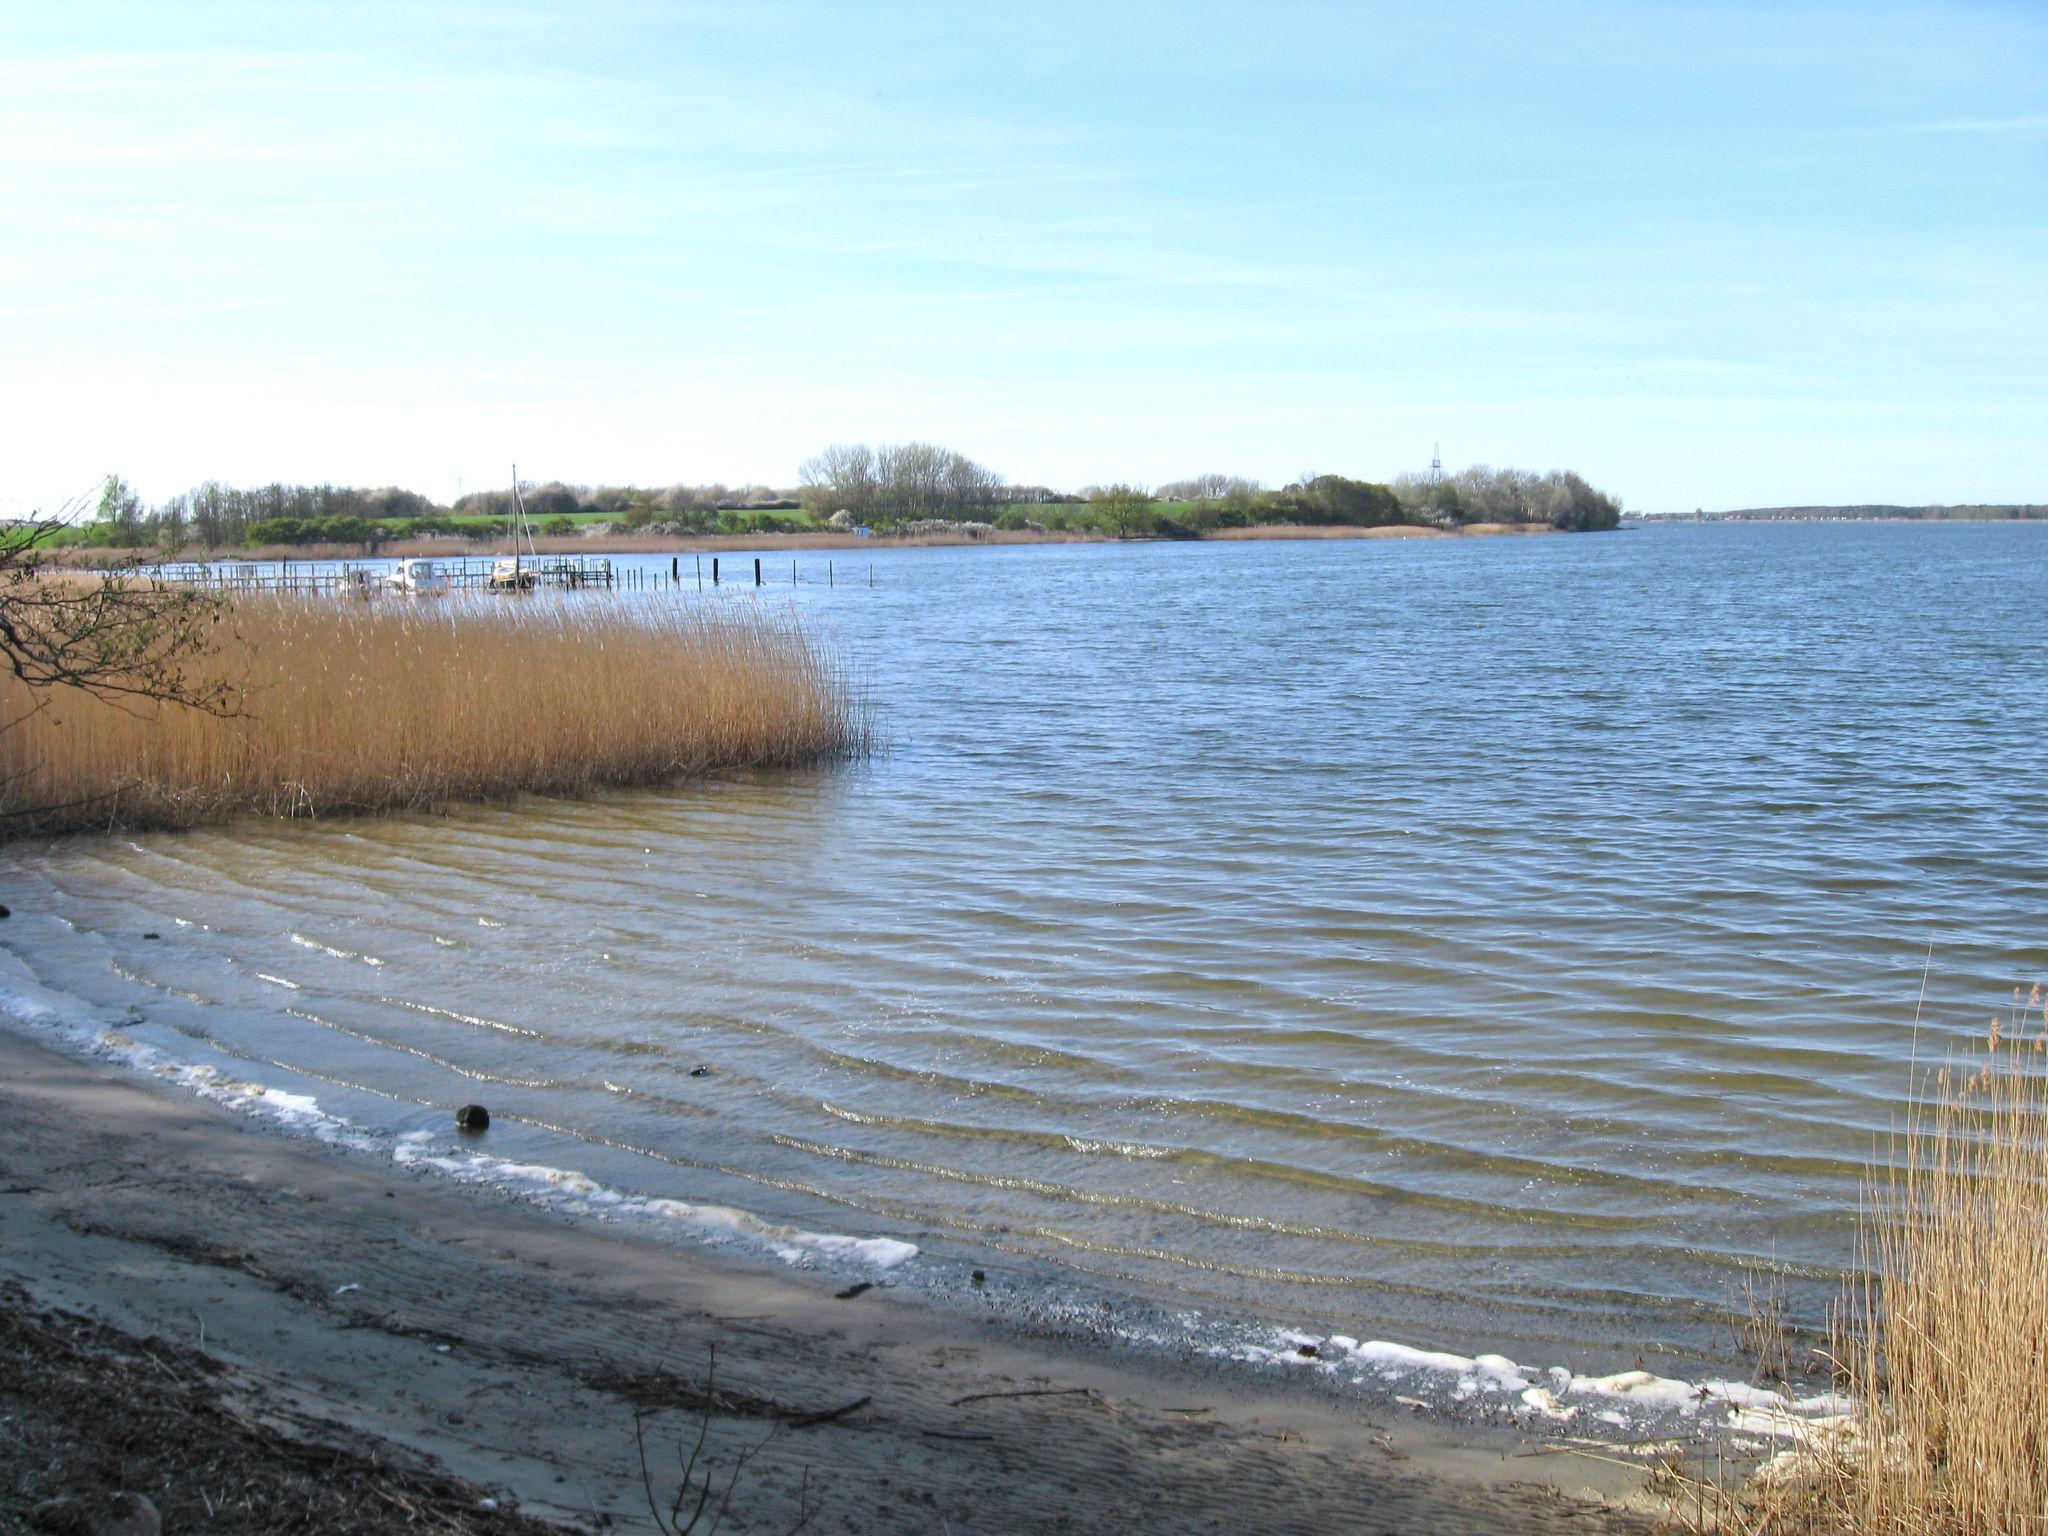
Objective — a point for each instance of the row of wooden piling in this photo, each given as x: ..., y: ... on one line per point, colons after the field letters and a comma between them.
x: 675, y: 572
x: 355, y: 579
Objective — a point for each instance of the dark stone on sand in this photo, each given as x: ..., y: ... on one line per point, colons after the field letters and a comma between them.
x: 128, y: 1514
x: 978, y: 1277
x: 472, y: 1118
x: 700, y: 1071
x: 856, y: 1289
x: 100, y: 1514
x: 1308, y: 1352
x: 152, y: 935
x: 5, y: 913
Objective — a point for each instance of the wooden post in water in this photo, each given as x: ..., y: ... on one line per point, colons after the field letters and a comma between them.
x: 675, y: 568
x: 871, y: 573
x: 792, y: 573
x: 700, y: 573
x: 714, y: 570
x: 757, y: 570
x: 828, y: 573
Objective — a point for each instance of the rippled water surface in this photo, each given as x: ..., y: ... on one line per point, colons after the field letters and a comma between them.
x: 1481, y: 940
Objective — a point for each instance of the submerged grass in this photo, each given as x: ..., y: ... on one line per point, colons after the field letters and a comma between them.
x: 394, y: 705
x: 1942, y: 1341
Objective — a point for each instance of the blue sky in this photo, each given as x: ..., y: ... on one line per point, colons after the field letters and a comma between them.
x: 1715, y: 255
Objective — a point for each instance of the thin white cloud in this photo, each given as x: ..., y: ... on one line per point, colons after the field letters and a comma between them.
x: 2025, y: 124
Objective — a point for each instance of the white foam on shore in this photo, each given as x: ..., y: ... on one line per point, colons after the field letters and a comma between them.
x: 74, y: 1022
x: 716, y: 1222
x: 1551, y: 1392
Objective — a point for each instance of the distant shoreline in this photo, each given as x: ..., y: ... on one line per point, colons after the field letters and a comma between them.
x: 1990, y: 512
x: 719, y: 543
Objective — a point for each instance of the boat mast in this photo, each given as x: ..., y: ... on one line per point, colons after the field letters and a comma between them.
x: 515, y: 519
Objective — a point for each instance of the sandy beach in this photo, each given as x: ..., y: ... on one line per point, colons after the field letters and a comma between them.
x: 399, y: 1322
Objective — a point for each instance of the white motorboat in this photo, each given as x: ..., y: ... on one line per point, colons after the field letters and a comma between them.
x: 419, y: 578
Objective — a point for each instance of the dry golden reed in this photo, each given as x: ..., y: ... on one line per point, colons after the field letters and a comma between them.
x: 346, y: 705
x: 1942, y: 1341
x: 1946, y: 1341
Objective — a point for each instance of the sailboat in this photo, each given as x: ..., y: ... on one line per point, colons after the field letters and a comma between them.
x: 511, y: 574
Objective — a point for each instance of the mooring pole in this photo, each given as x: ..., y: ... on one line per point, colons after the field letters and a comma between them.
x: 757, y: 570
x: 700, y: 573
x: 792, y: 573
x: 714, y: 570
x: 828, y: 573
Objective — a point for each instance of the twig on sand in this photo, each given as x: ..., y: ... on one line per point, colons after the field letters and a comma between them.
x: 813, y: 1420
x: 982, y: 1397
x: 696, y: 1495
x: 1551, y: 1448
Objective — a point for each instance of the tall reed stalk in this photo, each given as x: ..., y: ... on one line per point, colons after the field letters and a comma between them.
x: 1942, y: 1341
x: 1946, y: 1339
x: 373, y: 706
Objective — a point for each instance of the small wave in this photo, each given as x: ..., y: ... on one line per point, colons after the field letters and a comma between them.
x: 463, y: 1018
x: 326, y: 949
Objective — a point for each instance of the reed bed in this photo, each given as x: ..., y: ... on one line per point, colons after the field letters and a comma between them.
x: 349, y: 706
x: 1941, y: 1342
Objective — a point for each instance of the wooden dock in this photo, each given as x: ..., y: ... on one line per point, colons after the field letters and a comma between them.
x: 492, y: 573
x: 329, y: 578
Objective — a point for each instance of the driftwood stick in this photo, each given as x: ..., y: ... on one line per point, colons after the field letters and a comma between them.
x: 813, y: 1420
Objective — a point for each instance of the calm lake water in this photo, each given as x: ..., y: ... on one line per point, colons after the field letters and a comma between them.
x: 1460, y: 942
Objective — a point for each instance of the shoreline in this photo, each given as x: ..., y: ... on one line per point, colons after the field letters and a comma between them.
x: 721, y: 543
x: 513, y: 1348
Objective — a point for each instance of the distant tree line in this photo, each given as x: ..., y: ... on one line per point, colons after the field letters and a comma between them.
x: 217, y: 515
x: 850, y: 484
x: 898, y: 482
x: 1485, y: 495
x: 1977, y: 512
x: 1205, y: 503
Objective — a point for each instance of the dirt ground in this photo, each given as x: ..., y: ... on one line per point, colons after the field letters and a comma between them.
x: 88, y: 1414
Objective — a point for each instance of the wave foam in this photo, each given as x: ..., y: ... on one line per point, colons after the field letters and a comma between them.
x: 792, y: 1245
x: 72, y: 1021
x: 1552, y: 1392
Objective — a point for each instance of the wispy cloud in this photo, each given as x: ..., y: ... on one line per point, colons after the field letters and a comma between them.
x: 2024, y: 124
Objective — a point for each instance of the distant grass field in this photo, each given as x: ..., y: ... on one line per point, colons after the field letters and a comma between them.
x: 580, y: 519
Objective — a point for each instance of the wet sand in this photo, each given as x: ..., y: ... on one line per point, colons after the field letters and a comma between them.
x: 355, y: 1305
